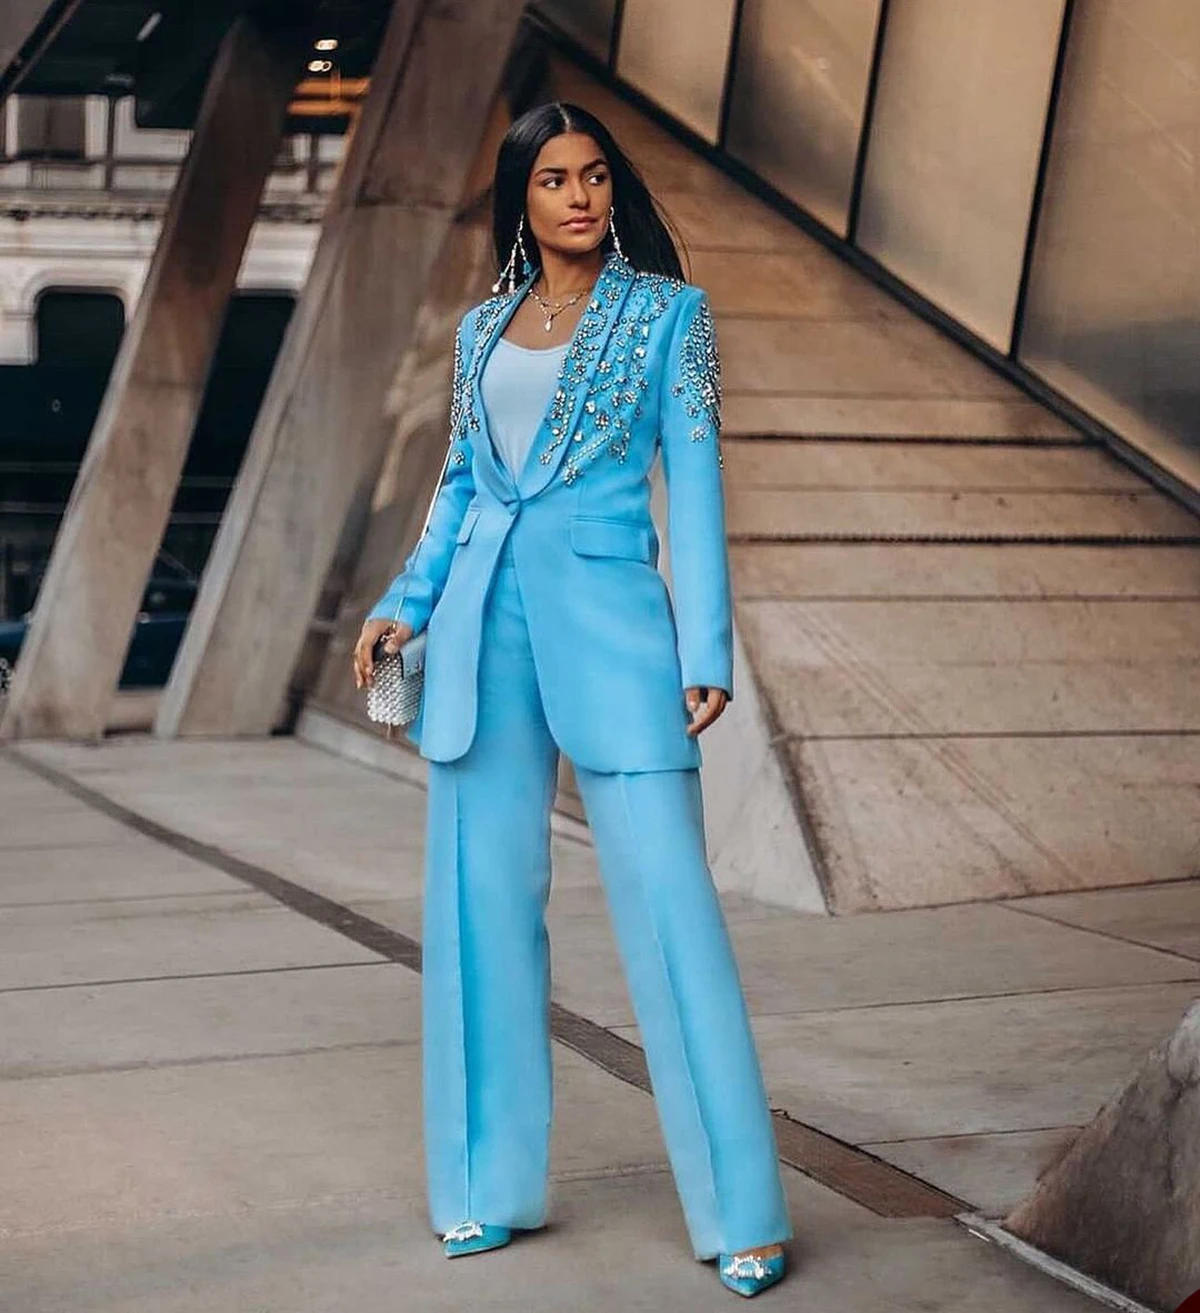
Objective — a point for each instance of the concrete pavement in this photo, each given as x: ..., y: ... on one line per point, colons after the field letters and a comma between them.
x: 211, y: 1099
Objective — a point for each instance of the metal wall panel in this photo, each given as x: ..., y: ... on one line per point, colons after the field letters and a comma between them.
x: 589, y: 22
x: 1113, y: 310
x: 676, y: 52
x: 956, y: 137
x: 798, y: 95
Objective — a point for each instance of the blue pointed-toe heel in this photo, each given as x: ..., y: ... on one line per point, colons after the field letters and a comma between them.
x: 748, y: 1275
x: 473, y: 1238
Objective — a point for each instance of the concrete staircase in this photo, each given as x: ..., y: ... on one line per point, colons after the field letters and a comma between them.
x: 973, y: 632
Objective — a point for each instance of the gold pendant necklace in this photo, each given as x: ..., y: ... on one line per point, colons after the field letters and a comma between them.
x: 551, y: 310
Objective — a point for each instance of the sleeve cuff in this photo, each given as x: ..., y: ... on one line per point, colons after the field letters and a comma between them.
x: 410, y: 612
x: 723, y: 682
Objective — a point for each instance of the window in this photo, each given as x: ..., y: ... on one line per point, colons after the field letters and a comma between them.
x: 50, y: 127
x: 79, y: 327
x: 79, y: 331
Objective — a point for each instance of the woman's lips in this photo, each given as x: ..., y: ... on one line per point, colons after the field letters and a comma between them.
x: 578, y: 224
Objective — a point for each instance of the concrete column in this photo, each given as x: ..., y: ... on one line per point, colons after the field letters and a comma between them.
x: 113, y: 525
x: 1123, y: 1202
x: 319, y: 427
x: 389, y: 502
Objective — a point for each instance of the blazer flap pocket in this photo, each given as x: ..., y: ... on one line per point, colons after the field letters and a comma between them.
x: 468, y: 523
x: 594, y: 535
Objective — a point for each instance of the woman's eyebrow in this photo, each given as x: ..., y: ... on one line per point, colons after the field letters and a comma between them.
x: 561, y: 168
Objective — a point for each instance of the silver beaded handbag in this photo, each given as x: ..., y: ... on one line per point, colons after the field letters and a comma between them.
x: 394, y: 694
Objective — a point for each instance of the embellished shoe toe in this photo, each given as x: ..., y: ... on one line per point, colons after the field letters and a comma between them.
x: 472, y: 1237
x: 750, y: 1274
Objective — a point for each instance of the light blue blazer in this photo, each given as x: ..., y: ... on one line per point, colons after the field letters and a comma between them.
x: 613, y: 652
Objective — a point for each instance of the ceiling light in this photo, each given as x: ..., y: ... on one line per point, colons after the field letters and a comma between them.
x: 149, y: 25
x: 326, y: 43
x: 320, y: 65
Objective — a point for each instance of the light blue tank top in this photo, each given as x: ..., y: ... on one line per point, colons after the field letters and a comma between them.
x: 516, y: 385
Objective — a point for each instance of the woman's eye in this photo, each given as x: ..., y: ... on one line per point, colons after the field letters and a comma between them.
x: 600, y: 178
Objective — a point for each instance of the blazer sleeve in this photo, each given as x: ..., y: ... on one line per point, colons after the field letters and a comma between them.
x: 419, y: 584
x: 689, y: 425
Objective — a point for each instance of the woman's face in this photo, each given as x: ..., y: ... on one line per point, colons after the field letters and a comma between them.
x: 569, y: 192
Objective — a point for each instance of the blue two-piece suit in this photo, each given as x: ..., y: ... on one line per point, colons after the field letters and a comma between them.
x: 550, y: 629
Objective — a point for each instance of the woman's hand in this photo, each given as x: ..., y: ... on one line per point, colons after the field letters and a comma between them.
x: 704, y: 706
x: 364, y: 649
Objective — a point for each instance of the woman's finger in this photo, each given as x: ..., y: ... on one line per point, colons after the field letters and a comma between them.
x: 704, y: 706
x: 363, y: 664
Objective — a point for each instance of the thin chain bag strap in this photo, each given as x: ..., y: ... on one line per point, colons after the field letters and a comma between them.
x: 394, y: 694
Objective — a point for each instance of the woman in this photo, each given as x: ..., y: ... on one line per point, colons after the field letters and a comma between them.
x: 550, y: 629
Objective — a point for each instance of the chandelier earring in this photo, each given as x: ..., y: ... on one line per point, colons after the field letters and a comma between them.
x: 612, y: 228
x: 509, y: 270
x: 526, y: 263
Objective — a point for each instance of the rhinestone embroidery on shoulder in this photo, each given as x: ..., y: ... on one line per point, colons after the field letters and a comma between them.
x: 700, y: 377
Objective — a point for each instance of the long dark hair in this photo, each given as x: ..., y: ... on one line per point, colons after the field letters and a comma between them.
x: 646, y: 239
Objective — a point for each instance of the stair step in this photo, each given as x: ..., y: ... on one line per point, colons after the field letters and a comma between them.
x: 884, y: 514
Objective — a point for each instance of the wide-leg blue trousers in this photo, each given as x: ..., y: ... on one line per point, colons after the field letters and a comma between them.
x: 488, y: 1094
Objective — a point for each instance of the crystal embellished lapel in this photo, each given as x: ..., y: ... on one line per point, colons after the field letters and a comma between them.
x: 491, y: 319
x: 563, y: 426
x: 616, y: 393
